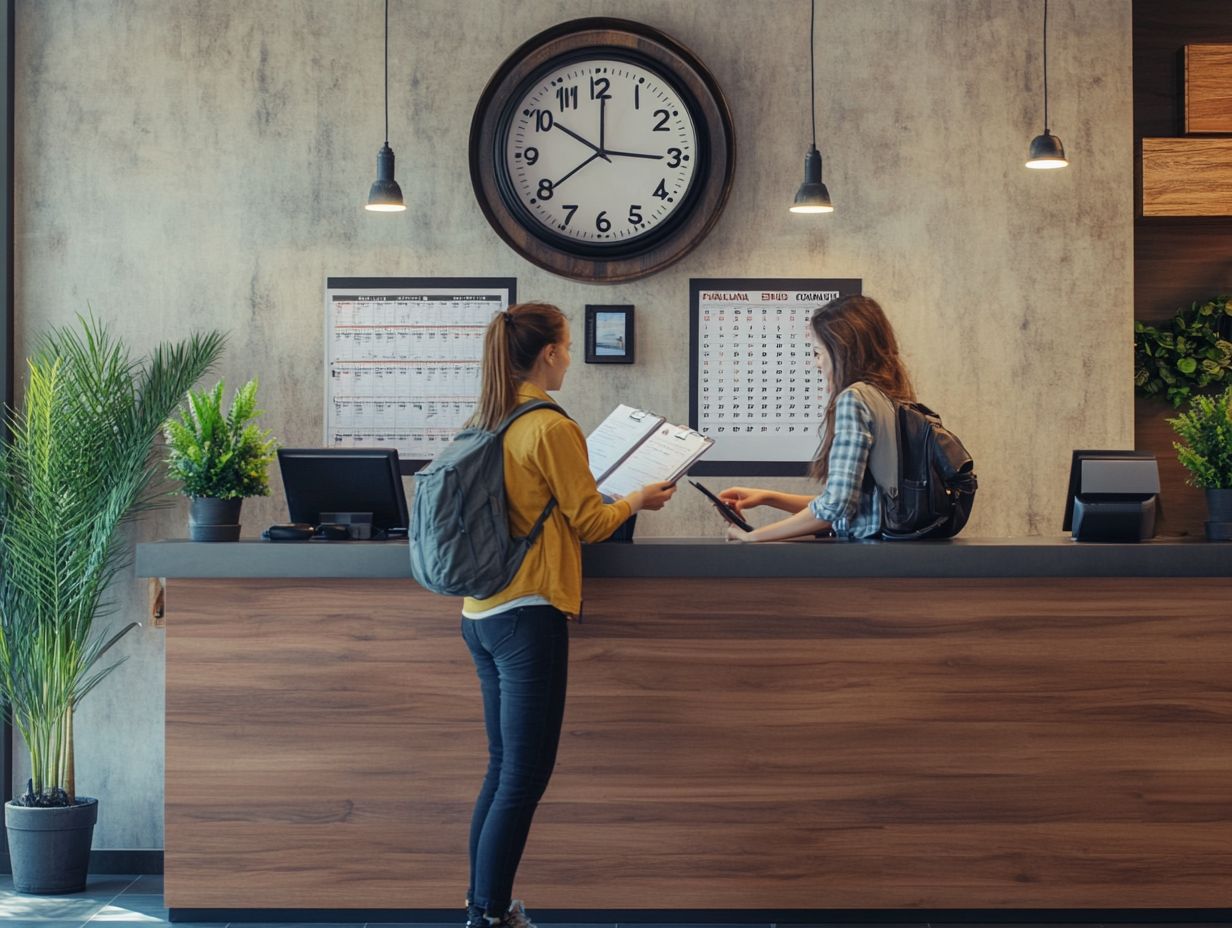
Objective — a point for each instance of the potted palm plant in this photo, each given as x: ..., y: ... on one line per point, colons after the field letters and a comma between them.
x: 77, y: 466
x: 220, y: 458
x: 1205, y: 450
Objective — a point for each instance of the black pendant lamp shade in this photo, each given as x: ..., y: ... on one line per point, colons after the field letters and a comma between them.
x: 1046, y: 150
x: 812, y: 197
x: 385, y: 195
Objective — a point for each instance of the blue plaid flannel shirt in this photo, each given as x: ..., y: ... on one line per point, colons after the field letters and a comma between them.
x: 846, y: 503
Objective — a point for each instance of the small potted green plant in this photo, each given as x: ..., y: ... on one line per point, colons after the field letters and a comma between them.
x: 76, y: 466
x: 1205, y: 450
x: 220, y: 457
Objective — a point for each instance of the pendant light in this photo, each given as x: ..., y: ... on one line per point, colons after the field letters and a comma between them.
x: 385, y: 195
x: 812, y: 197
x: 1046, y: 150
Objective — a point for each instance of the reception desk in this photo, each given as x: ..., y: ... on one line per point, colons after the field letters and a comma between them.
x: 1021, y: 724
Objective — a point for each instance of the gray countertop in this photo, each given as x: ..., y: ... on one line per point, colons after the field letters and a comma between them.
x: 1052, y: 556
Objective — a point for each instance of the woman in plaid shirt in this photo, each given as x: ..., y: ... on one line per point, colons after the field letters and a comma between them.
x: 853, y: 342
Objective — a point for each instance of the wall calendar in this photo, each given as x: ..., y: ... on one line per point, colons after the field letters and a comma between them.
x: 753, y: 386
x: 402, y: 359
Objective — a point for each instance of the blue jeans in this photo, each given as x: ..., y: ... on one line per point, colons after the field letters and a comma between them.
x: 522, y: 658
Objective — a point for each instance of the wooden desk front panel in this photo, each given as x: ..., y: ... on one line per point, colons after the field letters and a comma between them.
x: 728, y: 744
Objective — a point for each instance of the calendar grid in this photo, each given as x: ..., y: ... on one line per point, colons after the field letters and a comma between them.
x: 753, y: 385
x: 402, y: 360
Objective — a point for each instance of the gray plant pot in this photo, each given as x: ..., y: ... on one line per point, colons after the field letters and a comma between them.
x: 50, y: 848
x: 1219, y: 510
x: 212, y: 519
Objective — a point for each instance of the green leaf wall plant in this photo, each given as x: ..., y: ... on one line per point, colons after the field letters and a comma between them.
x: 217, y: 454
x: 76, y: 466
x: 1189, y: 354
x: 1205, y: 448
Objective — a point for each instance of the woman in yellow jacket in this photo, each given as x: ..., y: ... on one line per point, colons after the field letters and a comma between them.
x: 518, y: 638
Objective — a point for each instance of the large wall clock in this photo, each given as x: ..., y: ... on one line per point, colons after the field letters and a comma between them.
x: 602, y: 150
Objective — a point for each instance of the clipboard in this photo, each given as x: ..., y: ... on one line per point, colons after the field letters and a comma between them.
x: 725, y: 510
x: 640, y: 448
x: 617, y: 437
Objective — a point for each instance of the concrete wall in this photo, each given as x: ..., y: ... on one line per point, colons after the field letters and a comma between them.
x: 204, y: 163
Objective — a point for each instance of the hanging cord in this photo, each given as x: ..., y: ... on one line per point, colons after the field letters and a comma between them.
x: 812, y: 69
x: 387, y: 70
x: 1045, y: 66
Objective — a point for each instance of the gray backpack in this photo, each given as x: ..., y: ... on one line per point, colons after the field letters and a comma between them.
x: 459, y: 534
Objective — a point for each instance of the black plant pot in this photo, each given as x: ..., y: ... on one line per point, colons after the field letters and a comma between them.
x: 212, y: 519
x: 50, y: 848
x: 1219, y: 511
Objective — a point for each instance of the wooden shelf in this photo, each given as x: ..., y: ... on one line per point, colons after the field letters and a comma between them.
x: 1208, y: 89
x: 1187, y: 177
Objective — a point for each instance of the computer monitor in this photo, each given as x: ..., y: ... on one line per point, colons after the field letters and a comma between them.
x: 320, y: 480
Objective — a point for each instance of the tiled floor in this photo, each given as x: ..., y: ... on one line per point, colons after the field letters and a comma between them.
x: 118, y: 902
x: 137, y: 902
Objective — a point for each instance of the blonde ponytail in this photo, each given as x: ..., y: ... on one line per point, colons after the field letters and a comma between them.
x: 511, y: 343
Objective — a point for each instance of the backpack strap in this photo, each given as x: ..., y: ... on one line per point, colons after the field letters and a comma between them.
x: 500, y: 430
x: 519, y: 411
x: 884, y: 462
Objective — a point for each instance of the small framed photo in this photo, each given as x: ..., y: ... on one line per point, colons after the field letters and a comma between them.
x: 609, y: 334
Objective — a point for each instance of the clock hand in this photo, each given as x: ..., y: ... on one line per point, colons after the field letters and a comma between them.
x: 602, y: 119
x: 575, y: 170
x: 595, y: 148
x: 634, y: 154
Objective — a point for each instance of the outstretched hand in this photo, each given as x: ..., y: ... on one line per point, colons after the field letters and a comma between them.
x: 742, y: 498
x: 656, y: 495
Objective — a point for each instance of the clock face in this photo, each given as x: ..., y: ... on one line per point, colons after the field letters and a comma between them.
x: 601, y: 151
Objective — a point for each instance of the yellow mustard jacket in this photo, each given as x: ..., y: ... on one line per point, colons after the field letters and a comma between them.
x: 545, y: 457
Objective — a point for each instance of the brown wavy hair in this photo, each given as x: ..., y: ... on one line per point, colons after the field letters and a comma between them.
x: 511, y: 344
x: 861, y: 342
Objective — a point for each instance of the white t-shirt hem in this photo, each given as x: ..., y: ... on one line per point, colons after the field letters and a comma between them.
x: 533, y: 599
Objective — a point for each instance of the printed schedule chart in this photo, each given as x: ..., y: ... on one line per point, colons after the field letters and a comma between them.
x: 402, y: 360
x: 753, y: 386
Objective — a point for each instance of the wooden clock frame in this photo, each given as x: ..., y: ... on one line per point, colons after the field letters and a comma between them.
x: 640, y: 44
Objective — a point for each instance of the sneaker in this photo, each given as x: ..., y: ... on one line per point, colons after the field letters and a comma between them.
x: 516, y: 917
x: 474, y: 917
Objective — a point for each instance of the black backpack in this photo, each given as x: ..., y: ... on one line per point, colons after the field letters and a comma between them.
x: 936, y: 483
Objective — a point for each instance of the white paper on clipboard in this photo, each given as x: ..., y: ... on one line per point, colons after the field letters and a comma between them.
x: 616, y: 437
x: 664, y: 456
